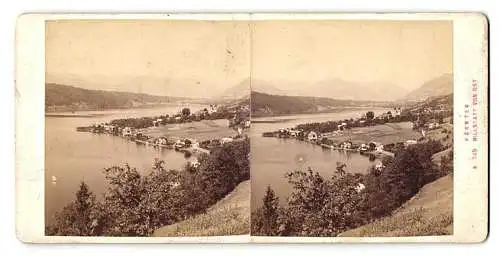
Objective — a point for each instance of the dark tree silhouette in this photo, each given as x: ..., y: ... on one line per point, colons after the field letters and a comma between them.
x: 186, y: 112
x: 370, y: 115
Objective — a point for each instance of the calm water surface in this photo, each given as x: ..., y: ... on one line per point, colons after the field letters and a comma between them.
x: 73, y: 156
x: 273, y: 157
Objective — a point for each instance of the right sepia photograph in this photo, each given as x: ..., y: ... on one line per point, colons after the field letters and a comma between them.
x: 352, y: 128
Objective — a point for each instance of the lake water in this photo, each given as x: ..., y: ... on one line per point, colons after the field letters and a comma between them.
x: 73, y: 156
x: 273, y: 157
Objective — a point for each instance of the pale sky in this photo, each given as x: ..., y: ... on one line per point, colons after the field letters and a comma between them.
x: 403, y: 53
x: 180, y: 58
x: 203, y: 58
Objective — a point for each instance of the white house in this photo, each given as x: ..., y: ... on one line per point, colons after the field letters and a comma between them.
x: 226, y: 140
x: 294, y: 133
x: 157, y: 122
x: 212, y: 108
x: 127, y: 131
x: 397, y: 111
x: 175, y: 184
x: 360, y: 187
x: 109, y: 128
x: 364, y: 147
x: 433, y: 125
x: 346, y: 145
x: 247, y: 124
x: 378, y: 146
x: 161, y: 141
x: 179, y: 144
x: 312, y: 136
x: 410, y: 142
x: 194, y: 163
x: 379, y: 166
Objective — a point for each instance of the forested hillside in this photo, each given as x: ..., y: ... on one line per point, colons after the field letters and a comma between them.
x: 64, y: 98
x: 268, y: 105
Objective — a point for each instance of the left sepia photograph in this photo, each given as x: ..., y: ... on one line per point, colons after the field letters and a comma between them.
x: 146, y: 128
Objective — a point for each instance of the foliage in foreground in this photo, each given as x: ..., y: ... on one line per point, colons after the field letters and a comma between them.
x: 319, y: 206
x: 136, y: 204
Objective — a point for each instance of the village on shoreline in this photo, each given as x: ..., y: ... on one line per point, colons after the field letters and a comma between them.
x: 377, y: 136
x: 186, y: 132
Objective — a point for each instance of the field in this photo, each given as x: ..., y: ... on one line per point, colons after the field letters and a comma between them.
x: 229, y: 216
x: 200, y: 130
x: 443, y: 134
x: 430, y: 212
x: 385, y: 134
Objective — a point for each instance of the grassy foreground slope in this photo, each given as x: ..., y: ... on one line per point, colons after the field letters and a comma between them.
x: 430, y: 212
x: 229, y: 216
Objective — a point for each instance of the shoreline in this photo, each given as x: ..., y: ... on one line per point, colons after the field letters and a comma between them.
x: 75, y: 115
x: 67, y: 109
x: 336, y: 110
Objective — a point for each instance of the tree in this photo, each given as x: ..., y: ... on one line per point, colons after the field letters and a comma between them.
x: 162, y: 202
x: 138, y: 204
x: 270, y: 204
x: 122, y: 200
x: 321, y: 207
x: 370, y: 115
x: 79, y: 218
x: 186, y: 112
x: 85, y: 201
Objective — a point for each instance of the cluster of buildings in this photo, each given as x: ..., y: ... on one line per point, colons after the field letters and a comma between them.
x: 325, y: 140
x: 423, y: 124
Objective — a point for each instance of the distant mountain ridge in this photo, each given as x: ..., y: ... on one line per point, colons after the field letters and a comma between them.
x: 65, y: 98
x: 240, y: 90
x: 351, y: 90
x: 243, y: 89
x: 331, y: 88
x: 442, y: 85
